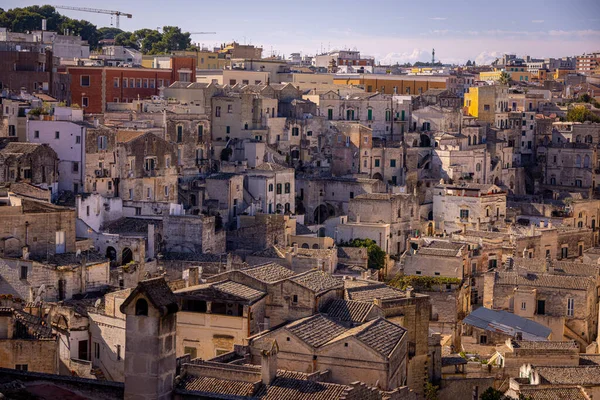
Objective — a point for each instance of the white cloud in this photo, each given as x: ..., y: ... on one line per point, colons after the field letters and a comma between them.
x: 438, y: 18
x: 409, y: 56
x: 486, y: 58
x: 537, y: 21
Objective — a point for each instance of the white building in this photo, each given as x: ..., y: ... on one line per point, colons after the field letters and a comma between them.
x: 65, y: 132
x: 274, y: 186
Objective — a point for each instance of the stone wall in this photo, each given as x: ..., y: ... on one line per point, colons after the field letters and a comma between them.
x: 39, y: 355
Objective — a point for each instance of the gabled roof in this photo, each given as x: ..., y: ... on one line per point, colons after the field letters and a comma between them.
x: 317, y: 281
x: 239, y: 290
x: 20, y: 148
x: 269, y: 273
x: 222, y: 290
x: 507, y: 323
x: 380, y: 334
x: 348, y: 310
x: 533, y: 279
x: 158, y: 293
x: 584, y: 375
x: 124, y: 136
x: 371, y: 292
x: 269, y: 166
x: 316, y: 330
x: 218, y: 386
x: 557, y: 393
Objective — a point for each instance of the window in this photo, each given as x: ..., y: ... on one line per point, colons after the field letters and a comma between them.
x: 101, y: 142
x: 370, y: 114
x: 138, y: 211
x: 27, y: 173
x: 279, y: 188
x: 570, y: 307
x: 77, y: 139
x: 486, y: 107
x: 23, y: 272
x: 351, y: 195
x: 377, y: 162
x: 270, y: 187
x: 287, y: 187
x: 145, y: 83
x: 85, y: 101
x: 295, y: 299
x: 309, y: 133
x: 75, y: 167
x: 295, y: 131
x: 483, y: 339
x: 151, y: 81
x: 564, y: 252
x: 141, y: 307
x: 179, y: 133
x: 84, y: 80
x: 125, y: 82
x: 330, y: 114
x: 227, y: 129
x: 36, y: 134
x: 116, y: 82
x: 166, y: 191
x: 192, y: 351
x: 464, y: 214
x: 200, y: 132
x: 229, y: 109
x: 131, y: 195
x: 388, y: 115
x: 118, y: 352
x: 541, y: 307
x: 523, y: 305
x: 418, y: 272
x: 96, y: 350
x: 393, y: 163
x: 21, y: 367
x: 57, y: 135
x: 138, y: 83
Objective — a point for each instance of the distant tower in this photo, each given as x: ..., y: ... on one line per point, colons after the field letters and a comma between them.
x: 433, y: 56
x: 150, y: 326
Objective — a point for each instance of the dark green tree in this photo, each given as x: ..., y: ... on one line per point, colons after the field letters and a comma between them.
x: 504, y: 78
x: 375, y: 253
x: 108, y: 32
x: 581, y: 114
x: 126, y: 39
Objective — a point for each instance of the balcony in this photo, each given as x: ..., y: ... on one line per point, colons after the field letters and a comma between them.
x: 150, y: 173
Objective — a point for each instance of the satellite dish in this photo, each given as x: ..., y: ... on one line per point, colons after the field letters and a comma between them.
x: 78, y: 253
x: 97, y: 303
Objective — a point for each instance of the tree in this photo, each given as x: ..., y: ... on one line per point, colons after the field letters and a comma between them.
x: 504, y: 78
x: 375, y: 253
x: 431, y: 391
x: 126, y: 39
x: 469, y: 63
x: 581, y: 113
x: 108, y: 32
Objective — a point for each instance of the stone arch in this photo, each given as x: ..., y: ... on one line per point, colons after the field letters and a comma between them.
x: 126, y: 256
x: 377, y: 175
x: 141, y: 307
x: 305, y: 246
x: 425, y: 141
x: 315, y: 246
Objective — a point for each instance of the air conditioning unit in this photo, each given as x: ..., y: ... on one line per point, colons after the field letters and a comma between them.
x: 98, y: 173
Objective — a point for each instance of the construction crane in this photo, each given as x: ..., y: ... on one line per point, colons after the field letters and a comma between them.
x: 117, y: 14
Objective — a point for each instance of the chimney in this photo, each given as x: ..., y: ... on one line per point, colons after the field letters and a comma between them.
x: 550, y: 224
x: 549, y: 266
x: 268, y: 363
x: 410, y: 291
x: 25, y: 252
x: 532, y: 230
x: 357, y: 218
x: 295, y: 249
x: 229, y: 261
x: 193, y: 275
x: 519, y: 336
x: 541, y: 224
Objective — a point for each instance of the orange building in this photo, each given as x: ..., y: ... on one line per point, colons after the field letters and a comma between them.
x: 394, y: 84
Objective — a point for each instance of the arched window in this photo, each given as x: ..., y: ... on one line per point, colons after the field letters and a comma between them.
x: 270, y: 187
x: 315, y: 246
x: 578, y: 161
x: 305, y: 246
x: 578, y: 139
x: 580, y: 224
x: 141, y: 307
x: 469, y: 140
x: 478, y: 167
x: 586, y: 161
x: 588, y: 139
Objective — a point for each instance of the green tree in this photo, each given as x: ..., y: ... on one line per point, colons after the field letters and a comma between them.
x: 108, y: 32
x: 504, y: 78
x: 580, y: 113
x: 147, y: 38
x: 375, y: 253
x: 126, y: 39
x: 469, y: 63
x: 431, y: 391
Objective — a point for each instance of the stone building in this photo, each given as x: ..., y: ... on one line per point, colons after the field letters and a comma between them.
x: 192, y: 234
x: 192, y: 139
x: 375, y: 350
x: 515, y: 353
x: 437, y: 258
x: 13, y: 122
x: 559, y: 296
x: 227, y: 192
x: 467, y: 205
x: 36, y: 164
x: 274, y: 185
x: 27, y: 343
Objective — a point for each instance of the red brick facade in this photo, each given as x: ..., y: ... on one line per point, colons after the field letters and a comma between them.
x: 97, y: 86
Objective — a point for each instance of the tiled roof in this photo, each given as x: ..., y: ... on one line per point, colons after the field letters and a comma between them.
x: 36, y: 326
x: 292, y: 388
x: 348, y: 311
x: 559, y: 393
x: 356, y: 253
x: 268, y: 166
x: 302, y: 229
x: 239, y: 290
x: 314, y: 253
x: 453, y: 359
x: 269, y: 252
x: 215, y: 385
x: 381, y: 335
x: 587, y: 375
x: 317, y: 281
x: 371, y: 292
x: 20, y: 148
x: 316, y: 330
x: 589, y: 359
x: 132, y: 226
x: 159, y: 294
x: 71, y: 259
x: 269, y: 273
x: 544, y: 280
x: 124, y: 136
x: 537, y: 345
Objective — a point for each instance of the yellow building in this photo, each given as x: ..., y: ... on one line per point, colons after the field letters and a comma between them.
x: 517, y: 73
x: 561, y: 73
x: 490, y: 75
x: 394, y: 84
x: 207, y: 59
x: 483, y: 102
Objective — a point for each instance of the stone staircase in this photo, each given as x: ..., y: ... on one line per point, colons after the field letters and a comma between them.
x: 97, y: 372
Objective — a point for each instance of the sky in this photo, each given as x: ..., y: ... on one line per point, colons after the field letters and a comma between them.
x: 390, y: 30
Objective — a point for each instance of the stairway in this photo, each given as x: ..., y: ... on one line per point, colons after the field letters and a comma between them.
x: 97, y: 372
